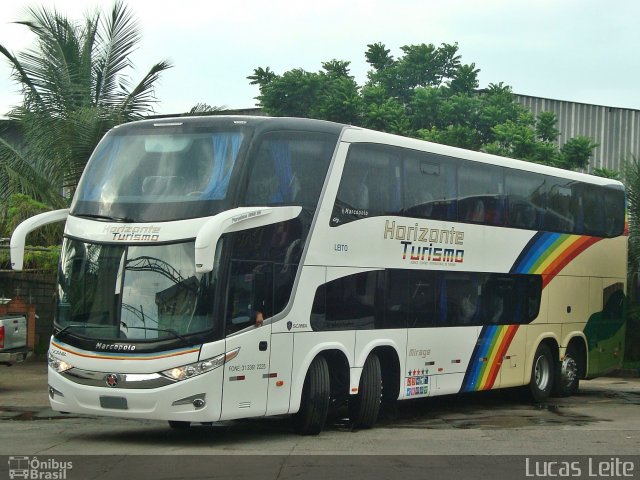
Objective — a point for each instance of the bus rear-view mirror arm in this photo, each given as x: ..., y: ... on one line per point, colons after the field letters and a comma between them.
x: 19, y: 236
x: 235, y: 220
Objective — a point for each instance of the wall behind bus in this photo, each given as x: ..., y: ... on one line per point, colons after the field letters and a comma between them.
x: 615, y: 130
x: 36, y: 289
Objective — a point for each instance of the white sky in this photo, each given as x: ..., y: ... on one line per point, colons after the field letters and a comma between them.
x: 577, y: 50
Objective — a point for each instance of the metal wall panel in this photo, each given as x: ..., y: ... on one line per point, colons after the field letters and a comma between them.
x: 616, y: 130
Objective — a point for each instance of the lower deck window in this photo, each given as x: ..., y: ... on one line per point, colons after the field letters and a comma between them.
x: 415, y: 298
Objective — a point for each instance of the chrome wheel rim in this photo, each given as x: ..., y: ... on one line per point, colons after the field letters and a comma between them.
x: 542, y: 372
x: 569, y: 371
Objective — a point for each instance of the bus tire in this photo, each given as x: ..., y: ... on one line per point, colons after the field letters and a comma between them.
x: 314, y: 405
x: 542, y: 373
x: 179, y: 425
x: 567, y: 378
x: 364, y: 407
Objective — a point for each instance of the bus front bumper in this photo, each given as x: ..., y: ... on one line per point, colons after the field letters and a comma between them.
x: 196, y: 399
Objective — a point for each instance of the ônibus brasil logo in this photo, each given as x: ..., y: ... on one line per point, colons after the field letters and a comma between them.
x: 36, y: 469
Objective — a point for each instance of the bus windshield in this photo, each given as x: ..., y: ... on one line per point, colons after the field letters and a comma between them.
x: 132, y: 293
x: 159, y: 175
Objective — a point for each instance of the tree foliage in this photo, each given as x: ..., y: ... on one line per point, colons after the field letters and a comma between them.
x: 75, y: 87
x: 19, y: 207
x: 426, y: 93
x: 631, y: 179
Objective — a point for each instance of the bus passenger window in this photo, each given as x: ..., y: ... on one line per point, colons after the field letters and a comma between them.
x: 423, y: 290
x: 289, y: 168
x: 480, y: 194
x: 526, y: 199
x: 498, y: 300
x: 318, y: 318
x: 594, y: 212
x: 350, y: 303
x: 429, y: 186
x: 397, y: 302
x: 614, y: 212
x: 459, y: 300
x: 560, y: 214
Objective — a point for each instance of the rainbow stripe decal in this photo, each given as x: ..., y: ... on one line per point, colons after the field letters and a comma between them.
x: 547, y: 254
x: 125, y: 356
x: 487, y: 356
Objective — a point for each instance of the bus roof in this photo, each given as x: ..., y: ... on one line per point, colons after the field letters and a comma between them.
x: 362, y: 135
x: 354, y: 134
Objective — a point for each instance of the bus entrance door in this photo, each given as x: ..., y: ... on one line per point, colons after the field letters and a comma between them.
x: 246, y: 377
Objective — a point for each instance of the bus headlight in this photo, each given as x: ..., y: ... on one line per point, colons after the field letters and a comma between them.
x: 56, y: 364
x: 198, y: 368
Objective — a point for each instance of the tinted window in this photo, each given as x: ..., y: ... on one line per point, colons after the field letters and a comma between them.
x: 159, y: 175
x: 289, y: 168
x: 423, y: 298
x: 370, y: 184
x: 563, y: 212
x: 526, y: 199
x: 424, y: 185
x: 250, y: 295
x: 397, y: 301
x: 429, y: 186
x: 614, y: 207
x: 480, y: 194
x: 348, y: 303
x: 264, y: 265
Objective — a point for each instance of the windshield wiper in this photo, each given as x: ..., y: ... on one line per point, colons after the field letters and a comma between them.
x: 76, y: 325
x: 171, y: 331
x: 105, y: 217
x: 80, y: 325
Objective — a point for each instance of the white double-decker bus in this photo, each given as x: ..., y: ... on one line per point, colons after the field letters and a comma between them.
x: 217, y: 268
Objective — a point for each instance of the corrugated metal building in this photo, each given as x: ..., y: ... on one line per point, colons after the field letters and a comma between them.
x: 616, y: 130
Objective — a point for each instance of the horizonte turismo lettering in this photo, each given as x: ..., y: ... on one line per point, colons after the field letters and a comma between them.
x: 121, y: 233
x: 418, y: 242
x: 421, y: 234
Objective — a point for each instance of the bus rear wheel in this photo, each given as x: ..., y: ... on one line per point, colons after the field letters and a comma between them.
x: 365, y: 406
x: 567, y: 380
x: 314, y: 405
x: 542, y: 374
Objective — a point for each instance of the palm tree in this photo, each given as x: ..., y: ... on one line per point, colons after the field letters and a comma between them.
x: 74, y: 89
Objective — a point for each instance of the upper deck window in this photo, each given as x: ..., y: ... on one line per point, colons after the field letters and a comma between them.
x: 159, y: 175
x: 384, y: 180
x: 289, y: 168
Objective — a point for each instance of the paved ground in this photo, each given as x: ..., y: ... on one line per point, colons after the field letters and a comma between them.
x: 603, y: 419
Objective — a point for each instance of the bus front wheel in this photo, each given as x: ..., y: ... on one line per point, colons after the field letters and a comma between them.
x: 365, y: 406
x: 314, y: 405
x: 542, y: 373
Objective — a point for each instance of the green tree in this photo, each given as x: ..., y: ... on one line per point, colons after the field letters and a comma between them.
x: 75, y: 88
x: 607, y: 173
x: 631, y: 179
x: 427, y: 93
x: 330, y: 94
x: 204, y: 109
x: 576, y: 152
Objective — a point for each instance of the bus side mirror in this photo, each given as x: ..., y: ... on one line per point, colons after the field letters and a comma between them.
x: 19, y: 236
x: 242, y: 218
